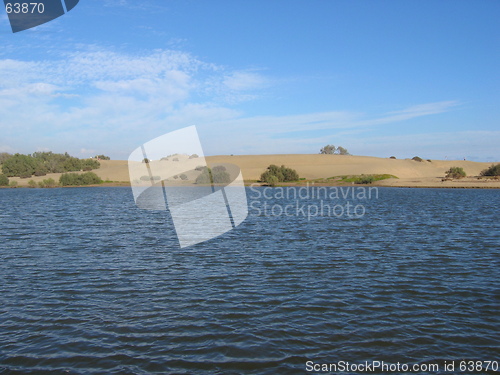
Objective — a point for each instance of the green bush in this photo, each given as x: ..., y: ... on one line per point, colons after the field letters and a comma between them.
x: 205, y: 177
x: 74, y: 179
x: 364, y: 180
x: 183, y: 177
x: 72, y: 165
x: 4, y: 156
x: 19, y: 165
x: 271, y: 180
x: 89, y: 164
x: 41, y: 163
x: 47, y: 183
x: 41, y: 170
x: 13, y: 184
x: 455, y: 172
x: 220, y: 175
x: 283, y: 174
x: 416, y: 158
x: 4, y: 180
x: 31, y: 184
x: 494, y: 170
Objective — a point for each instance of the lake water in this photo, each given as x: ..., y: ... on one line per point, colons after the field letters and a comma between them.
x: 90, y: 284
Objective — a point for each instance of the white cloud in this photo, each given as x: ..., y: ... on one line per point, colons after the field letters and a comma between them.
x: 242, y: 81
x: 98, y: 99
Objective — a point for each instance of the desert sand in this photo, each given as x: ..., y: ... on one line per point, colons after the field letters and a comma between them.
x: 410, y: 173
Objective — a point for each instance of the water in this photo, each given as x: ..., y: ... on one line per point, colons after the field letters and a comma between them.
x: 90, y: 284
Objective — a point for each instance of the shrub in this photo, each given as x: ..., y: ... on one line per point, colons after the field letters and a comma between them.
x: 13, y: 184
x: 455, y: 172
x: 494, y: 170
x: 4, y: 156
x: 392, y: 157
x: 220, y: 175
x: 18, y: 165
x: 194, y: 156
x: 47, y: 183
x: 283, y: 174
x: 416, y: 158
x: 205, y: 177
x: 271, y: 180
x: 429, y: 160
x: 364, y: 180
x: 41, y: 170
x: 4, y: 180
x: 31, y: 184
x: 183, y: 177
x: 89, y: 164
x: 74, y: 179
x: 72, y: 164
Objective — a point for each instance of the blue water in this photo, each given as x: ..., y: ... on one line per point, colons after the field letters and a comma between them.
x: 90, y: 284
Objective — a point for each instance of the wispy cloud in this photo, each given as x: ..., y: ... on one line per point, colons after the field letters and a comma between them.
x: 105, y: 101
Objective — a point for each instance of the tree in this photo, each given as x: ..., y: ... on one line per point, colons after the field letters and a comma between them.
x: 19, y: 165
x: 205, y: 177
x: 89, y: 164
x: 282, y: 174
x: 4, y: 181
x: 220, y: 175
x: 342, y: 151
x: 102, y: 157
x: 41, y: 170
x: 331, y: 150
x: 494, y: 170
x: 455, y: 172
x: 328, y: 149
x: 72, y: 164
x: 4, y: 156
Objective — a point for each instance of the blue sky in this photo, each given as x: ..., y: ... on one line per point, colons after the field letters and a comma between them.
x: 380, y: 78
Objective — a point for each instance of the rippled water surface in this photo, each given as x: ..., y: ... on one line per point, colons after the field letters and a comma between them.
x: 90, y: 284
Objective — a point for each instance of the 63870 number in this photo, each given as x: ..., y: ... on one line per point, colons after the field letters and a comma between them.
x: 24, y: 8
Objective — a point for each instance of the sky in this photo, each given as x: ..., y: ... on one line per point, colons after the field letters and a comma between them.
x: 380, y: 78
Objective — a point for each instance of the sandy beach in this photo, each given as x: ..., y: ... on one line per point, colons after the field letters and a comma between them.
x: 410, y: 173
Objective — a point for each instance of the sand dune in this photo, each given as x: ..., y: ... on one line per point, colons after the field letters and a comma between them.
x: 409, y: 172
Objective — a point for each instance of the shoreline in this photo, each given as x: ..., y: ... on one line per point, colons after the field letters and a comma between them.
x: 307, y: 184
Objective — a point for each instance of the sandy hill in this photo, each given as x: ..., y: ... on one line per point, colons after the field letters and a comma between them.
x: 410, y: 172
